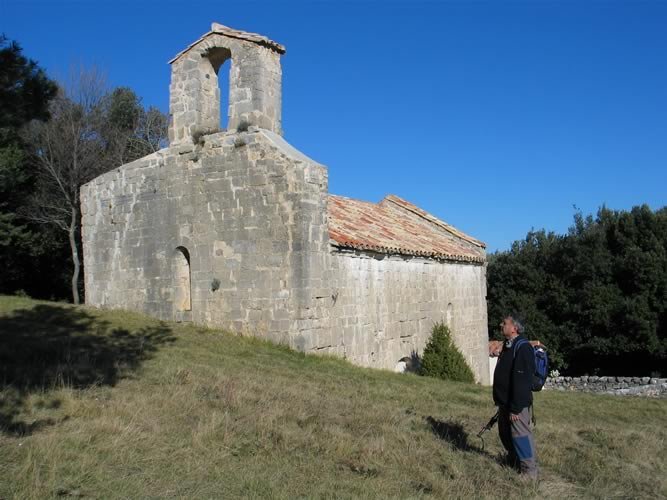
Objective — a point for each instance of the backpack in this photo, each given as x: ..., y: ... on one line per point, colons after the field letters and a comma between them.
x: 541, y: 364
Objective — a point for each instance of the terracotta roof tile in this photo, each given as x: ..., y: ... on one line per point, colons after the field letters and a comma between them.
x: 430, y: 218
x: 395, y: 226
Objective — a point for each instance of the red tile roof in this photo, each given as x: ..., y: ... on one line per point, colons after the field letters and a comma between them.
x: 395, y: 226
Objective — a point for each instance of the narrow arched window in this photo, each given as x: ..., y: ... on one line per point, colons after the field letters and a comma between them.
x: 450, y: 314
x: 181, y: 273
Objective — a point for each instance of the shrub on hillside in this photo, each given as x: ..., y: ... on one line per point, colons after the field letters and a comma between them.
x: 442, y: 359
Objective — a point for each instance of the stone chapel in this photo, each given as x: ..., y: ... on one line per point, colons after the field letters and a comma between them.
x: 236, y: 228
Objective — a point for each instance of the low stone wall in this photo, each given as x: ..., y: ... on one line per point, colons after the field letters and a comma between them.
x: 635, y: 386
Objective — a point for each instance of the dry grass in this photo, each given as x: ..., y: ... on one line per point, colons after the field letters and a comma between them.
x: 177, y: 411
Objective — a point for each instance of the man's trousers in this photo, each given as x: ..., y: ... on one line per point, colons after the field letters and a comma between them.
x: 517, y: 438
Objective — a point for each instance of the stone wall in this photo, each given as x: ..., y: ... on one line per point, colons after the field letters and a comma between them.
x: 250, y: 212
x: 385, y: 308
x: 638, y: 386
x: 255, y: 92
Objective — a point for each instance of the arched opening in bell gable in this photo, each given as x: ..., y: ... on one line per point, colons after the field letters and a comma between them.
x: 217, y: 67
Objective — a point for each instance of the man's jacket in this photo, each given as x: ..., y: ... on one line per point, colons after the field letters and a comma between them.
x: 513, y: 377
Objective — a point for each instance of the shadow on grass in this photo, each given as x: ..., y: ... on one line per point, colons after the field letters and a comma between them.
x: 455, y: 434
x: 46, y: 347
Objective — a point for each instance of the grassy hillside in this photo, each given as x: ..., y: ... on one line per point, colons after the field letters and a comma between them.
x: 99, y: 404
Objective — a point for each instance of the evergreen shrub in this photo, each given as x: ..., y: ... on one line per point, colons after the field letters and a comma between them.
x: 442, y: 359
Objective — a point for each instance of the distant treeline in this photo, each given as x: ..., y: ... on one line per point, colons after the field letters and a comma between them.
x: 596, y: 297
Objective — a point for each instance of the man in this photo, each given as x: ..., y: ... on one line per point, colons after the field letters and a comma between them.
x: 512, y: 382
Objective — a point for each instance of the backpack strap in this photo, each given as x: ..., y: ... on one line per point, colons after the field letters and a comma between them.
x: 516, y: 346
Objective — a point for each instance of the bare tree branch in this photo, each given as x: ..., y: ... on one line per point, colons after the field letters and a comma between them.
x: 91, y: 131
x: 69, y: 151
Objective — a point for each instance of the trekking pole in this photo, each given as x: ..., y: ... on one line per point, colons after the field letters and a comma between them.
x: 489, y: 425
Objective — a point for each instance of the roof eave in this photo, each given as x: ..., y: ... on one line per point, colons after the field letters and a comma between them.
x: 408, y: 253
x: 239, y: 35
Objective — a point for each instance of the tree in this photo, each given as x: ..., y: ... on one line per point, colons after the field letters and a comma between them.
x: 596, y: 297
x: 442, y: 359
x: 69, y: 151
x: 25, y: 93
x: 131, y: 131
x: 91, y: 131
x: 525, y: 280
x: 25, y: 90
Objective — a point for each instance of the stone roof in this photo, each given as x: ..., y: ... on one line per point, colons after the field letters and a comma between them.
x: 220, y: 29
x: 396, y: 226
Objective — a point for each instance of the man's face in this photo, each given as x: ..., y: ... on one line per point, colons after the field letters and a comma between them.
x: 508, y: 328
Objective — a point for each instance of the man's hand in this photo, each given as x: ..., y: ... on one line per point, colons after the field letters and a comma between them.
x: 514, y: 417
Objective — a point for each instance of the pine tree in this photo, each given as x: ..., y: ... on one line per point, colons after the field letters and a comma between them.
x: 442, y: 359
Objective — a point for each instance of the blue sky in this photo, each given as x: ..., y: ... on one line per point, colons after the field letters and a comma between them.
x: 497, y: 117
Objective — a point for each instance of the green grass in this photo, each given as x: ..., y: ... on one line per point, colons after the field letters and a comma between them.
x: 101, y: 404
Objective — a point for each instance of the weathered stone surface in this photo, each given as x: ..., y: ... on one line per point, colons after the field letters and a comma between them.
x: 254, y: 85
x: 230, y: 229
x: 402, y: 298
x: 644, y: 386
